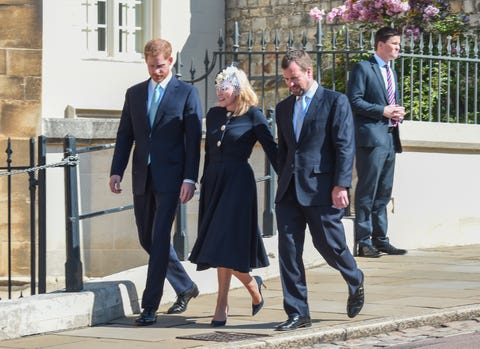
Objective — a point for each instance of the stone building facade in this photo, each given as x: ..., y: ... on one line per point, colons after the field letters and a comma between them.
x: 20, y: 67
x: 20, y: 116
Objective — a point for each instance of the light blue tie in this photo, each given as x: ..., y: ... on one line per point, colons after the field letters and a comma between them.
x: 156, y: 98
x: 300, y: 110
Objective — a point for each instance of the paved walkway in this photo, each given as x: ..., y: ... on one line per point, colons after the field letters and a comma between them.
x: 425, y: 287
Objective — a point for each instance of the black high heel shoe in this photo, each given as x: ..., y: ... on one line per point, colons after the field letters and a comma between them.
x: 216, y: 323
x: 220, y: 323
x: 256, y: 307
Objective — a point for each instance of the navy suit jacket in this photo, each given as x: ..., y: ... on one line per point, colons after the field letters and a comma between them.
x: 323, y: 156
x: 368, y: 97
x: 173, y: 141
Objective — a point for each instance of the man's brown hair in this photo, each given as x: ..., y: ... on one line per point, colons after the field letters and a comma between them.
x: 300, y: 57
x: 158, y: 46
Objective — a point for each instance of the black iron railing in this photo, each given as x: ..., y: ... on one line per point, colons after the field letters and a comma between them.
x: 37, y: 202
x: 437, y: 76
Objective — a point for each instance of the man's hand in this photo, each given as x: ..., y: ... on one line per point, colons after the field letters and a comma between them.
x: 114, y: 184
x: 339, y: 197
x: 186, y: 192
x: 394, y: 112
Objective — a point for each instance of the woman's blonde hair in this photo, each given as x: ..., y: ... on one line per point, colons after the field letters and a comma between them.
x: 243, y: 90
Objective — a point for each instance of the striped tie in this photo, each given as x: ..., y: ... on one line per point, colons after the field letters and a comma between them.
x: 390, y: 90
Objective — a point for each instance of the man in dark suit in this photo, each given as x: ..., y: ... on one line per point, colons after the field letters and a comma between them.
x: 374, y: 98
x: 161, y: 119
x: 315, y: 161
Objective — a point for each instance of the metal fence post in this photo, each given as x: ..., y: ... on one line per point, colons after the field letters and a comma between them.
x: 73, y: 265
x: 33, y: 232
x: 269, y: 187
x: 180, y: 237
x: 9, y: 152
x: 42, y: 216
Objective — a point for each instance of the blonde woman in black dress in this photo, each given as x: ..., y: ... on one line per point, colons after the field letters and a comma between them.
x: 229, y: 238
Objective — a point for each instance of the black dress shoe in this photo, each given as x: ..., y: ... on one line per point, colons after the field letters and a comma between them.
x: 182, y: 301
x: 355, y: 301
x: 368, y: 251
x: 293, y: 323
x: 390, y: 249
x: 147, y: 317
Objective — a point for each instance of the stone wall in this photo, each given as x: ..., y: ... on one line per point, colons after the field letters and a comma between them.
x: 20, y: 67
x: 288, y: 15
x: 20, y: 101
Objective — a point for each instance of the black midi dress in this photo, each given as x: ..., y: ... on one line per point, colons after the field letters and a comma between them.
x: 228, y: 231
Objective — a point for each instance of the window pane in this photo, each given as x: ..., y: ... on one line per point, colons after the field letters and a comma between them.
x: 101, y: 26
x: 121, y: 13
x: 120, y: 41
x: 102, y: 39
x: 101, y: 12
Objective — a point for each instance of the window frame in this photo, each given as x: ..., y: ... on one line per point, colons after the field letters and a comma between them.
x: 124, y: 29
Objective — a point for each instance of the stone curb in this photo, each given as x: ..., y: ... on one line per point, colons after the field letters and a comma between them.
x: 99, y: 303
x: 366, y: 328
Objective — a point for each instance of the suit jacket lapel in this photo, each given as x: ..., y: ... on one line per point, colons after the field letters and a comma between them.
x: 397, y: 89
x: 289, y: 127
x: 312, y: 112
x: 381, y: 81
x: 140, y: 100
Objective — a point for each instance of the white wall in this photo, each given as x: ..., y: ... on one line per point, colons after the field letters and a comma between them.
x: 436, y: 191
x: 70, y: 77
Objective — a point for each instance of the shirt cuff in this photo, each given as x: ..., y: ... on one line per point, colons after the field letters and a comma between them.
x: 189, y: 181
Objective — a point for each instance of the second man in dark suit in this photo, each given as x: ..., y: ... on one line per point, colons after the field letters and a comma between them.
x: 315, y: 162
x: 161, y: 121
x: 374, y: 97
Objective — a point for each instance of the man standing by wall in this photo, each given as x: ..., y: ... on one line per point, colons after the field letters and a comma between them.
x: 374, y: 96
x: 161, y: 119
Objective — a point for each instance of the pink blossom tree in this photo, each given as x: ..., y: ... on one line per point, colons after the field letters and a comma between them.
x: 414, y: 16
